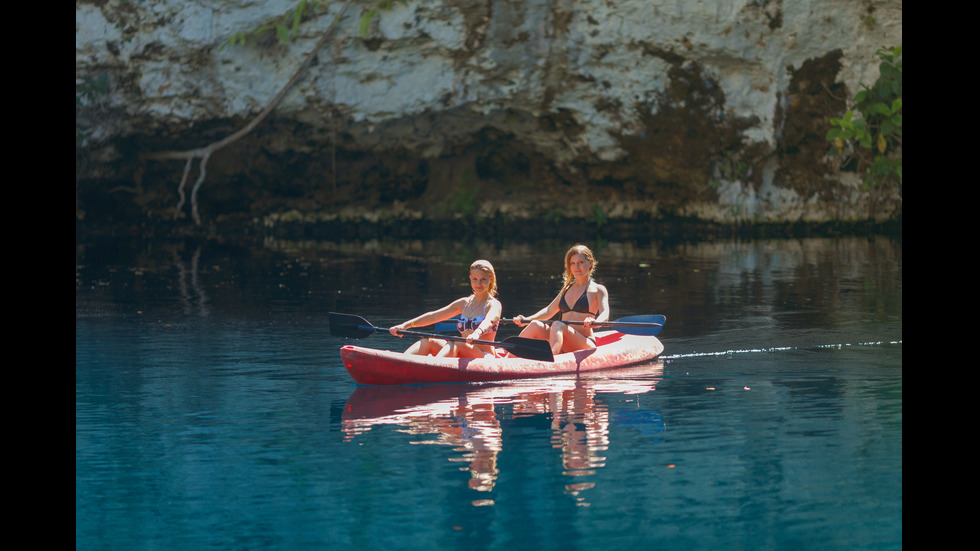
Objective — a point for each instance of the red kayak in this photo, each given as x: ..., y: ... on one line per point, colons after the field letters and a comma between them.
x: 381, y: 367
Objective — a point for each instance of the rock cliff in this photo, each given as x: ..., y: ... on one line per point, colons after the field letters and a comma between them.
x: 713, y: 110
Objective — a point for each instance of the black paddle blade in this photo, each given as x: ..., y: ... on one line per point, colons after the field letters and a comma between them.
x: 350, y: 326
x: 532, y: 349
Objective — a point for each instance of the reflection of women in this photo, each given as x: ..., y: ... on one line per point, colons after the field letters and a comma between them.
x: 466, y: 419
x: 580, y: 299
x: 479, y: 317
x: 480, y: 437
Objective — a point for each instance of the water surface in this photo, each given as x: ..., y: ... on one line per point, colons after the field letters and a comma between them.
x: 212, y: 410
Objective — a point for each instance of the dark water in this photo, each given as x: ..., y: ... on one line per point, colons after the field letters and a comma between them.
x: 212, y: 411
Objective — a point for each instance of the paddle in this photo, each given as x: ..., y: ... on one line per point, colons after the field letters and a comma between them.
x: 356, y: 327
x: 642, y: 325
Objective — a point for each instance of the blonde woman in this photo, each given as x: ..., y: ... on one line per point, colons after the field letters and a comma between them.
x: 479, y: 318
x: 580, y: 299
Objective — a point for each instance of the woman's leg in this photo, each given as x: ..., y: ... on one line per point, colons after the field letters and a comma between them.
x: 461, y: 350
x: 564, y: 338
x: 451, y: 350
x: 535, y: 330
x: 426, y: 347
x: 557, y: 336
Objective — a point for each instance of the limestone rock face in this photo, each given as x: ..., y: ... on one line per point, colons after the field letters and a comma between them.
x: 714, y: 109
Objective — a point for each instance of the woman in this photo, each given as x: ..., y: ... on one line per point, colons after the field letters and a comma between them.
x: 479, y: 317
x: 580, y: 299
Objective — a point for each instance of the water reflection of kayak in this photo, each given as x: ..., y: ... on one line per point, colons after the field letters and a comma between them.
x: 389, y: 404
x: 414, y: 405
x: 381, y: 367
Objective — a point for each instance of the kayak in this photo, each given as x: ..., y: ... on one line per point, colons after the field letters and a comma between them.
x: 370, y: 366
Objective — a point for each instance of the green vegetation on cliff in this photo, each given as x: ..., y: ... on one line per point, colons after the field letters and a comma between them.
x: 868, y: 137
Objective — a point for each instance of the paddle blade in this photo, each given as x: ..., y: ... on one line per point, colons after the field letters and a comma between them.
x: 642, y: 325
x: 350, y: 326
x: 445, y: 326
x: 532, y: 349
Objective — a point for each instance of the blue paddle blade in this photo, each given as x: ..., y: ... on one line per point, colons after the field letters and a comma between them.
x: 445, y: 326
x: 642, y: 325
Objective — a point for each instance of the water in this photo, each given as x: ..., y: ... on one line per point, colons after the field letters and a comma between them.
x: 212, y: 411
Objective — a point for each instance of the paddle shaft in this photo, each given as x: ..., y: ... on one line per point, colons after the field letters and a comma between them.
x: 445, y: 337
x: 350, y: 326
x: 607, y: 323
x: 445, y: 326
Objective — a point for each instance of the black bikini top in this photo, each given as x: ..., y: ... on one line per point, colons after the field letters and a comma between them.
x: 581, y: 305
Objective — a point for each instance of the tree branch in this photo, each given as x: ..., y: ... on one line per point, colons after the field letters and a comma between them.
x: 204, y: 153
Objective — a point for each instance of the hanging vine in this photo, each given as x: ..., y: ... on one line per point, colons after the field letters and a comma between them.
x: 204, y: 153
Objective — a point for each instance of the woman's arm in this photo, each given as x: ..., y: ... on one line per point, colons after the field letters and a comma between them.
x: 543, y: 314
x: 602, y: 314
x: 452, y: 309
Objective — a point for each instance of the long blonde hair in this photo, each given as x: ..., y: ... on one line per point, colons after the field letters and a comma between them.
x: 584, y: 251
x: 485, y: 266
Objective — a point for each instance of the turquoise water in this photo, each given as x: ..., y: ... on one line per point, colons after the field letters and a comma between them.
x: 212, y: 410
